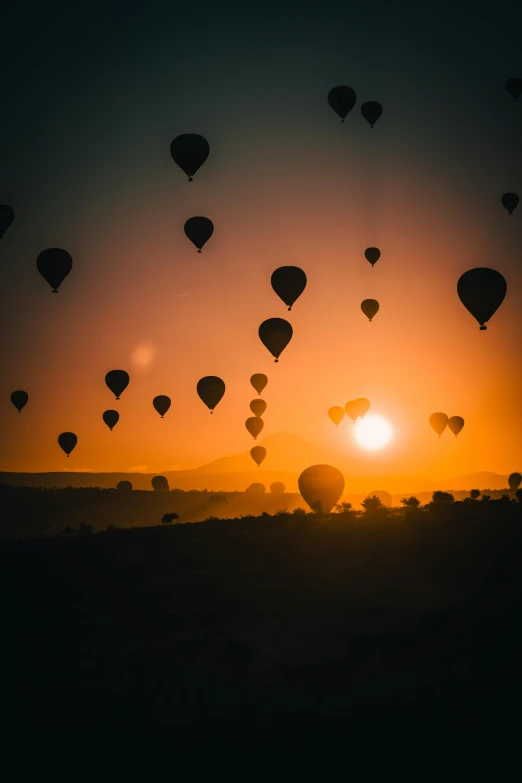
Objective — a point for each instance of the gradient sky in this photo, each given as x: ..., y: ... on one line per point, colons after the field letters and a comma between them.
x: 92, y: 97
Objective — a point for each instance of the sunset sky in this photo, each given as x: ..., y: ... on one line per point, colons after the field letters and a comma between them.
x: 92, y: 98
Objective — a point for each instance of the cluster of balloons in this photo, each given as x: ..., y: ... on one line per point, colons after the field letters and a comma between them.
x: 342, y: 100
x: 353, y: 408
x: 439, y: 422
x: 255, y: 424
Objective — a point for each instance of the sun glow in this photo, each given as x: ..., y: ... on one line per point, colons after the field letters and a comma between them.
x: 373, y: 432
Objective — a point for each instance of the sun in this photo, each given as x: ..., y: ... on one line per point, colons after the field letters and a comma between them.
x: 373, y: 432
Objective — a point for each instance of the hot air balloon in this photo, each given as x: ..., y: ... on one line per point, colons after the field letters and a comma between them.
x: 342, y: 100
x: 258, y: 407
x: 439, y: 422
x: 514, y: 87
x: 277, y: 488
x: 482, y: 291
x: 455, y: 423
x: 199, y: 230
x: 514, y: 481
x: 110, y: 418
x: 255, y: 490
x: 259, y: 381
x: 117, y: 381
x: 352, y: 409
x: 254, y: 425
x: 160, y: 484
x: 258, y: 453
x: 288, y: 282
x: 6, y: 218
x: 161, y: 403
x: 321, y: 487
x: 124, y: 486
x: 372, y: 255
x: 189, y: 151
x: 384, y: 497
x: 510, y: 202
x: 371, y: 111
x: 210, y: 389
x: 54, y: 264
x: 370, y: 308
x: 362, y: 406
x: 275, y: 334
x: 19, y: 399
x: 67, y: 441
x: 336, y: 414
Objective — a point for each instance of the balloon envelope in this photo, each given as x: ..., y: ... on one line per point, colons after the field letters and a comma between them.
x: 288, y: 282
x: 372, y: 254
x: 352, y: 409
x: 255, y: 489
x: 19, y: 398
x: 254, y: 425
x: 362, y: 406
x: 6, y: 218
x: 110, y: 418
x: 258, y: 453
x: 161, y: 404
x: 124, y: 486
x: 482, y: 291
x: 259, y: 381
x: 455, y: 423
x: 336, y: 414
x: 277, y: 488
x: 321, y: 487
x: 342, y: 100
x: 210, y: 390
x: 438, y: 422
x: 54, y: 264
x: 258, y: 407
x: 199, y: 230
x: 514, y: 481
x: 371, y: 111
x: 189, y: 151
x: 160, y: 484
x: 67, y: 441
x: 514, y: 87
x: 510, y: 202
x: 117, y: 381
x: 370, y: 308
x: 384, y: 497
x: 275, y: 334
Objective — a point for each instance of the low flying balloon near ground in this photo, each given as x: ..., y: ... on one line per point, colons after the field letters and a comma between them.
x: 321, y: 486
x: 199, y: 230
x: 54, y: 264
x: 384, y: 497
x: 370, y: 308
x: 258, y: 453
x: 6, y: 218
x: 258, y: 407
x: 160, y: 484
x: 456, y: 423
x: 336, y: 414
x: 510, y: 202
x: 189, y: 151
x: 210, y: 390
x: 514, y: 87
x: 259, y: 381
x: 438, y: 422
x: 514, y: 481
x: 275, y: 334
x: 288, y: 282
x: 342, y: 100
x: 110, y: 418
x: 255, y: 490
x: 277, y: 488
x: 482, y: 291
x: 371, y: 111
x: 254, y: 425
x: 19, y: 399
x: 124, y: 486
x: 67, y: 441
x: 372, y: 254
x: 117, y: 381
x: 161, y: 404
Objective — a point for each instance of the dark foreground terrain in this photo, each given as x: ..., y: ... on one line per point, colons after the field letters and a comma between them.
x: 288, y: 644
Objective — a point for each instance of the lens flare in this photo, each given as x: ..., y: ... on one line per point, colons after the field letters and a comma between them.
x: 373, y: 432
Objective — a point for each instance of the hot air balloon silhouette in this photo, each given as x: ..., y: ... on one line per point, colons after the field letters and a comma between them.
x: 19, y: 399
x: 288, y: 282
x: 258, y: 453
x: 210, y: 390
x: 189, y: 151
x: 455, y: 423
x: 342, y: 100
x: 6, y: 218
x: 275, y: 334
x: 352, y: 409
x: 110, y: 418
x: 124, y: 486
x: 67, y: 441
x: 372, y: 255
x: 510, y: 202
x: 514, y: 481
x: 255, y: 490
x: 321, y: 487
x: 259, y: 381
x: 362, y: 406
x: 514, y: 88
x: 117, y: 381
x: 371, y: 111
x: 199, y: 230
x: 370, y: 308
x: 482, y: 291
x: 258, y: 407
x: 161, y: 404
x: 254, y: 425
x: 160, y: 484
x: 277, y: 488
x: 439, y: 422
x: 336, y: 414
x: 54, y: 264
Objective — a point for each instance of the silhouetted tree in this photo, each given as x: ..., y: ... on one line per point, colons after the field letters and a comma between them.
x: 373, y: 505
x: 518, y: 493
x: 168, y: 519
x: 345, y: 508
x: 440, y: 498
x: 411, y: 502
x: 485, y: 498
x: 474, y: 494
x: 299, y: 512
